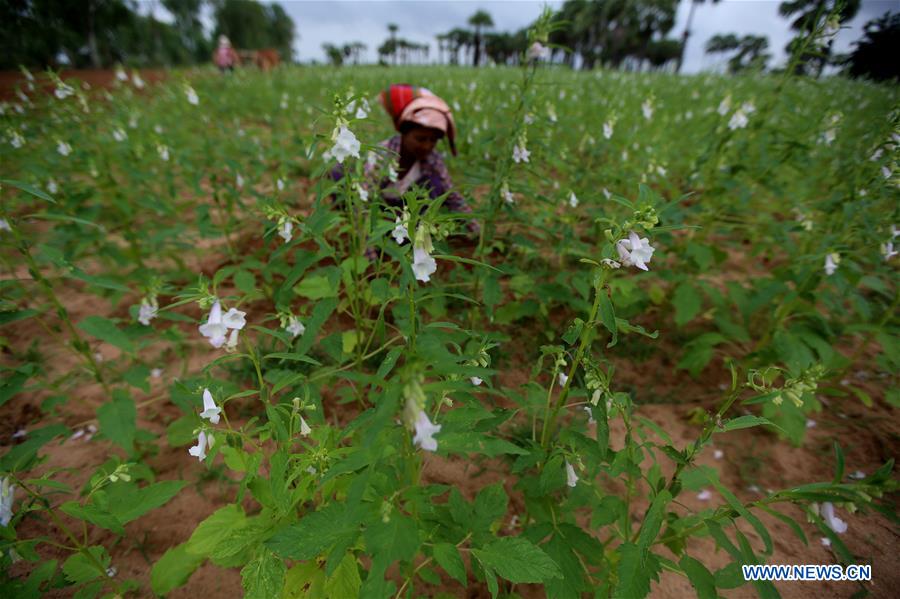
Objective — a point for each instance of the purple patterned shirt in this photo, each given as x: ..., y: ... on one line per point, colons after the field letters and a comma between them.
x: 433, y: 177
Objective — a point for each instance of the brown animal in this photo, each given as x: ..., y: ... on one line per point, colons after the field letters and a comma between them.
x: 265, y: 59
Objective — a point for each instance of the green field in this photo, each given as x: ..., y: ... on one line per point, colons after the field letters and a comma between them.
x: 626, y: 424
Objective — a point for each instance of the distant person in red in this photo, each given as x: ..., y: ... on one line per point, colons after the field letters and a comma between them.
x: 225, y: 57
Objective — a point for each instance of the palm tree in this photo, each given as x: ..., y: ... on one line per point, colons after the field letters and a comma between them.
x: 687, y: 32
x: 750, y: 51
x: 392, y: 27
x: 478, y: 20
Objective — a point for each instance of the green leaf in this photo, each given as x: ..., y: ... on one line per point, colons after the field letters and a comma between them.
x: 317, y: 287
x: 388, y: 363
x: 106, y: 330
x: 128, y: 502
x: 517, y: 560
x: 635, y: 572
x: 19, y: 456
x: 687, y: 302
x: 701, y: 579
x: 81, y: 568
x: 396, y: 539
x: 746, y: 421
x: 93, y: 514
x: 173, y: 569
x: 312, y: 535
x: 292, y: 356
x: 447, y: 556
x: 263, y: 577
x: 16, y: 315
x: 653, y: 520
x: 118, y: 419
x: 209, y: 533
x: 245, y: 281
x: 345, y: 581
x: 490, y: 505
x: 608, y: 317
x: 27, y: 189
x: 476, y: 443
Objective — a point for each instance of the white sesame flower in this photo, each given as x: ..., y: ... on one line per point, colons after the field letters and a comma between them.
x: 163, y: 152
x: 16, y: 140
x: 285, y: 230
x: 507, y: 195
x: 147, y: 311
x: 571, y: 477
x: 119, y: 134
x: 362, y: 192
x: 810, y: 423
x: 63, y: 148
x: 635, y: 251
x: 121, y: 75
x: 363, y: 110
x: 214, y: 329
x: 425, y: 432
x: 718, y: 454
x: 7, y: 496
x: 606, y: 193
x: 826, y: 542
x: 704, y: 495
x: 400, y: 232
x: 192, y: 97
x: 831, y: 263
x: 234, y: 319
x: 520, y: 153
x: 4, y: 225
x: 590, y: 414
x: 573, y: 200
x: 888, y: 251
x: 295, y: 327
x: 239, y: 181
x: 423, y: 264
x: 833, y: 522
x: 476, y: 380
x: 279, y: 184
x: 232, y: 342
x: 210, y: 410
x: 158, y: 129
x: 858, y: 475
x: 724, y: 106
x: 205, y: 441
x: 156, y: 373
x: 608, y: 129
x: 538, y: 51
x: 529, y: 118
x: 738, y: 120
x: 63, y: 91
x: 304, y: 428
x: 52, y: 187
x: 609, y: 263
x: 136, y: 80
x: 345, y: 144
x: 647, y: 109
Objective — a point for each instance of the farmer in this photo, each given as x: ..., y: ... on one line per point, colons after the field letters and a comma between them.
x: 225, y: 57
x: 422, y: 119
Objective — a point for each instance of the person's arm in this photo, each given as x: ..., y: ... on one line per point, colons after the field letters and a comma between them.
x: 441, y: 184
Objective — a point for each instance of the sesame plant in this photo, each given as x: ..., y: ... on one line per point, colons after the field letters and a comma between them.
x: 183, y: 275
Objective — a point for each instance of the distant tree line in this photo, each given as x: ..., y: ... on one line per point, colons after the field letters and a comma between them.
x: 100, y: 33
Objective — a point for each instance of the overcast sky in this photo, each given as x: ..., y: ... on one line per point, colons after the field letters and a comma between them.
x: 343, y: 21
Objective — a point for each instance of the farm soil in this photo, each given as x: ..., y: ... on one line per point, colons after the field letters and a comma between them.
x: 752, y: 459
